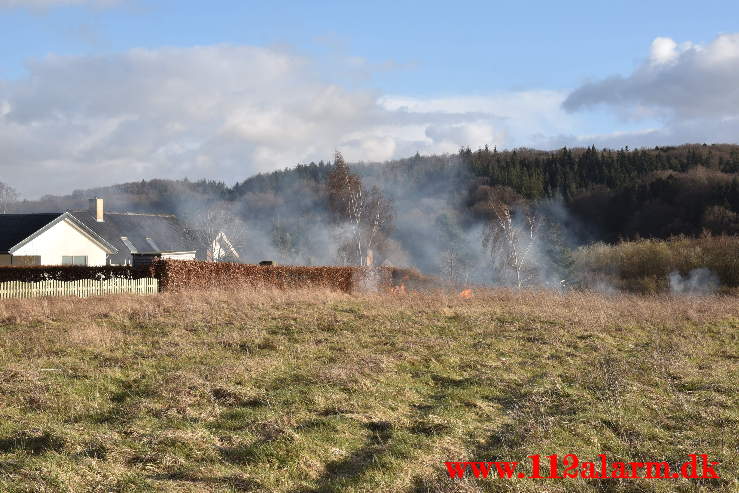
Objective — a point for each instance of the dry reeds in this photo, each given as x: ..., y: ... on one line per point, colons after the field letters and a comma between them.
x: 644, y: 265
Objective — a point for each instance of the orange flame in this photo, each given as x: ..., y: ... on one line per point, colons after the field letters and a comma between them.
x: 398, y: 289
x: 466, y: 294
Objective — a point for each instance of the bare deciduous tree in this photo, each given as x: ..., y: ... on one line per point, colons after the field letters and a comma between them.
x: 8, y: 197
x: 455, y: 259
x: 367, y: 213
x: 511, y: 245
x: 286, y: 242
x: 220, y: 234
x: 379, y: 216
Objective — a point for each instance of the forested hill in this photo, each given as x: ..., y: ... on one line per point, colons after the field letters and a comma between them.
x: 624, y: 193
x: 647, y: 192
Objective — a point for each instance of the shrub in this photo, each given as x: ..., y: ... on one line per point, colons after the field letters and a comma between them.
x: 176, y: 275
x: 70, y: 273
x: 645, y: 265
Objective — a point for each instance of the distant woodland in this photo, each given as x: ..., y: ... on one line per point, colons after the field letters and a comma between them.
x: 436, y: 208
x: 648, y: 193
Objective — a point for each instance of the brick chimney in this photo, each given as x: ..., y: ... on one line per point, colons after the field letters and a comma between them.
x: 96, y: 209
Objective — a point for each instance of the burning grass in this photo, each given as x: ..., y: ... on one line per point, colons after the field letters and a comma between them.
x: 320, y: 390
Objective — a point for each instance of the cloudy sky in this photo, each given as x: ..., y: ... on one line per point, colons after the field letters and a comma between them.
x: 95, y: 92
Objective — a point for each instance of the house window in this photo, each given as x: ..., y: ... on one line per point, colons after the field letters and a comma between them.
x: 25, y: 260
x: 74, y: 260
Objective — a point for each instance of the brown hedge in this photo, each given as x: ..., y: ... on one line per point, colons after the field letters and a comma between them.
x: 37, y: 273
x: 413, y: 280
x: 176, y: 275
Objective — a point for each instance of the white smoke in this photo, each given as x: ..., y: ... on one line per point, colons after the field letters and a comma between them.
x: 700, y: 281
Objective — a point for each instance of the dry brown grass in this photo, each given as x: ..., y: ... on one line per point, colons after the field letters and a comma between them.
x: 581, y: 307
x: 274, y: 390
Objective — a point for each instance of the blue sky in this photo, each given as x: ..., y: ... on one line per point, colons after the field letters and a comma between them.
x: 443, y: 47
x: 395, y: 78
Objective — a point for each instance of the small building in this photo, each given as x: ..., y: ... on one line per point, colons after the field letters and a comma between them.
x: 92, y: 237
x: 50, y: 239
x: 138, y: 234
x: 144, y: 259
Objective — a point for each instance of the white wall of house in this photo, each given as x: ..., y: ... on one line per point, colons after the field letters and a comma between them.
x: 63, y: 239
x: 179, y: 256
x: 221, y: 250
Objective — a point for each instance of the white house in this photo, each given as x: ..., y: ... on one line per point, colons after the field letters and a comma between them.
x: 50, y: 239
x: 92, y: 237
x: 221, y: 249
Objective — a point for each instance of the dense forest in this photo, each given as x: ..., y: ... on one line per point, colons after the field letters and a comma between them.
x: 625, y: 194
x: 441, y: 202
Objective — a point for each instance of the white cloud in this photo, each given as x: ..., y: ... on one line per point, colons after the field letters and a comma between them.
x: 228, y: 111
x: 447, y: 136
x: 225, y: 112
x: 724, y: 130
x: 664, y: 50
x: 690, y: 90
x: 677, y: 81
x: 510, y: 119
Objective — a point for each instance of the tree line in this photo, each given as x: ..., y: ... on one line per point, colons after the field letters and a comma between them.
x: 622, y: 194
x: 398, y: 208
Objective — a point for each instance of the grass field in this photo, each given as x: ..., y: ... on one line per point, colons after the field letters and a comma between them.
x: 322, y: 391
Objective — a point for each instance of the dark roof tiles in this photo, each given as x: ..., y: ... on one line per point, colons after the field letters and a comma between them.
x: 128, y: 232
x: 15, y: 228
x: 142, y: 231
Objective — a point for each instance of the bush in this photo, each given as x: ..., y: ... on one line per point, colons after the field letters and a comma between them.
x: 644, y: 265
x: 70, y: 273
x: 176, y: 275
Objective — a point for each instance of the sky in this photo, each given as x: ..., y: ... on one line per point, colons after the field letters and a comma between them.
x: 97, y: 92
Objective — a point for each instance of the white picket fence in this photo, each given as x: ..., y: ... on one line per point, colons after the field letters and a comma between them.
x: 81, y: 288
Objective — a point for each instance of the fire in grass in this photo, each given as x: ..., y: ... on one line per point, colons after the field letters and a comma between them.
x: 399, y: 289
x: 466, y: 294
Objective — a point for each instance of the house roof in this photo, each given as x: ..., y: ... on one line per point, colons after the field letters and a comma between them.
x: 15, y: 228
x: 18, y: 229
x: 139, y: 233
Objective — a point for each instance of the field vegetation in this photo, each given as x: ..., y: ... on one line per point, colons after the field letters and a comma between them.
x: 646, y: 265
x: 325, y: 391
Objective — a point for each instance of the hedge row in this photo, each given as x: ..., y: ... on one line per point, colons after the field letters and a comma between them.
x: 175, y: 275
x: 38, y: 273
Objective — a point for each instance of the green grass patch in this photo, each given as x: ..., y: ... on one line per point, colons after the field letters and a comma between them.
x: 327, y: 392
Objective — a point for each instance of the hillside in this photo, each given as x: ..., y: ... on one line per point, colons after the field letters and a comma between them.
x: 441, y: 204
x: 641, y: 182
x: 321, y: 391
